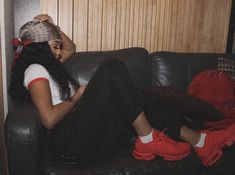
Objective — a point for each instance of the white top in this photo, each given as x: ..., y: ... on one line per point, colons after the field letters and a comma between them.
x: 37, y: 72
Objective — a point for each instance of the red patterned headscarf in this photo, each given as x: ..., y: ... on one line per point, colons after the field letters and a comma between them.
x: 34, y: 32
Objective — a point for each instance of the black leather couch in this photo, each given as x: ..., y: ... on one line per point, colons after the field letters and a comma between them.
x: 25, y: 136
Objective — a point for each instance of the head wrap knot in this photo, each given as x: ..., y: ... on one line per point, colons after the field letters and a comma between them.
x: 18, y: 47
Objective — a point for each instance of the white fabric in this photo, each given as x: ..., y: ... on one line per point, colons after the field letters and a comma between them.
x: 201, y: 141
x: 35, y: 71
x: 147, y: 139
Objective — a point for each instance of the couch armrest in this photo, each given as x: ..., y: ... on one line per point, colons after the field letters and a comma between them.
x: 23, y: 139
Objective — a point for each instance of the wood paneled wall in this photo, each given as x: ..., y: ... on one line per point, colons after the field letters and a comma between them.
x: 157, y: 25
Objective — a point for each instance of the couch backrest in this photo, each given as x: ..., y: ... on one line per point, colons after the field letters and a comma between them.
x: 178, y: 69
x: 159, y: 68
x: 83, y: 64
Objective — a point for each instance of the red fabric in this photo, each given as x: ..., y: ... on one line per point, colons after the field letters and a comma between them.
x: 37, y: 79
x: 213, y: 86
x: 16, y: 43
x: 216, y: 88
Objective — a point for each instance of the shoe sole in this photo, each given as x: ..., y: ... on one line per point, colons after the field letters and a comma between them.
x: 213, y: 157
x: 151, y: 156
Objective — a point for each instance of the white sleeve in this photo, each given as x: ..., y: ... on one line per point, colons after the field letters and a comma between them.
x: 35, y: 72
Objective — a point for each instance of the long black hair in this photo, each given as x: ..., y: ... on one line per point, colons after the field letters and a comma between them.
x: 39, y: 53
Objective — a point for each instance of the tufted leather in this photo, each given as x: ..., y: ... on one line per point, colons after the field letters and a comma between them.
x: 24, y: 134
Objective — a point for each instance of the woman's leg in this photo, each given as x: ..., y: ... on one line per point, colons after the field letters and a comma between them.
x: 161, y: 118
x: 109, y: 106
x: 105, y: 112
x: 189, y: 135
x: 131, y: 104
x: 141, y: 125
x: 208, y: 144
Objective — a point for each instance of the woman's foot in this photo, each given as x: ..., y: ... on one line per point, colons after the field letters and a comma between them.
x: 210, y: 149
x: 161, y: 146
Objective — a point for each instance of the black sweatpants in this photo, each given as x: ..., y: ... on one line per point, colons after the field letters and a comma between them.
x: 103, y: 118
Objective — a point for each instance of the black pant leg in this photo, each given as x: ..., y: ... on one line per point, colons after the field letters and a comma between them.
x: 105, y: 112
x: 161, y: 116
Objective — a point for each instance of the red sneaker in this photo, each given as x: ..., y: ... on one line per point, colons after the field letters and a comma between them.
x: 161, y: 146
x: 214, y: 143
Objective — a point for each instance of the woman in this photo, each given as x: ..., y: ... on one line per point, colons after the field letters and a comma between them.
x: 101, y: 113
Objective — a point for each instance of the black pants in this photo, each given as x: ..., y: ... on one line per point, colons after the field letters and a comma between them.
x: 104, y: 115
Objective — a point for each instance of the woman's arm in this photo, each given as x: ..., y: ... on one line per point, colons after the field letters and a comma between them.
x: 68, y: 47
x: 51, y: 114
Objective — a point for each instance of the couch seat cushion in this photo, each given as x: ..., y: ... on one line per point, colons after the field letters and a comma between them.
x: 122, y: 163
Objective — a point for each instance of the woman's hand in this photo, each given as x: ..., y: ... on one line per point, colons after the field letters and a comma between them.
x: 44, y: 17
x: 79, y: 93
x: 81, y: 89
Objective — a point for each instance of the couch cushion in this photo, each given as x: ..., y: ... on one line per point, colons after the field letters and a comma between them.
x: 122, y: 163
x: 83, y: 64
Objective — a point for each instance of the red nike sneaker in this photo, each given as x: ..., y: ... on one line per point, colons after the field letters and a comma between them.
x: 214, y: 143
x: 161, y: 146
